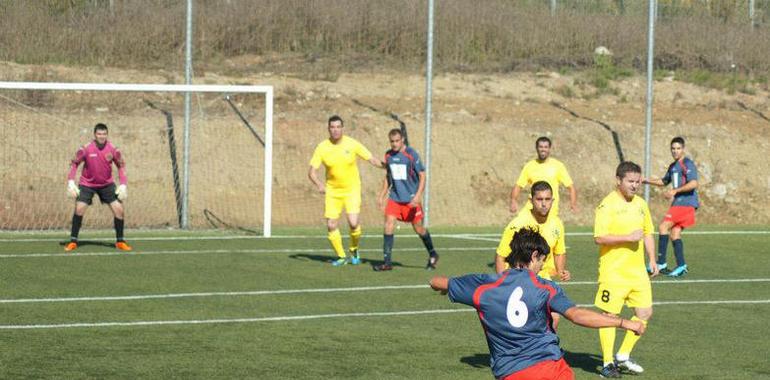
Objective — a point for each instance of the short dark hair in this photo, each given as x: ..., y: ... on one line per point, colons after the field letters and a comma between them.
x: 335, y: 118
x: 540, y: 186
x: 525, y: 242
x: 542, y: 139
x: 100, y: 127
x: 627, y: 167
x: 677, y: 140
x: 395, y: 131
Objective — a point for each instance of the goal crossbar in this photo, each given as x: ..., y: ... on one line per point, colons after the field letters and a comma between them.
x: 182, y: 88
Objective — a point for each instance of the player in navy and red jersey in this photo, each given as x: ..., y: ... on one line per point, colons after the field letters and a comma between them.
x: 683, y: 177
x: 515, y: 307
x: 97, y: 158
x: 402, y: 189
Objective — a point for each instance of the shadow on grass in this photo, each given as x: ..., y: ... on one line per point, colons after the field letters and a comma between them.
x: 83, y: 243
x: 328, y: 260
x: 590, y: 363
x: 476, y: 361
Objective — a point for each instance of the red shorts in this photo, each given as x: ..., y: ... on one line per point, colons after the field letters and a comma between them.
x: 404, y: 212
x: 682, y: 216
x: 545, y: 370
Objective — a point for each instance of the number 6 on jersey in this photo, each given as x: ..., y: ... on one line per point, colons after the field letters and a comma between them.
x: 517, y: 310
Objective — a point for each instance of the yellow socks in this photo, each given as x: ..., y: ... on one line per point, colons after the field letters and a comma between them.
x: 336, y: 241
x: 355, y: 237
x: 629, y: 341
x: 607, y: 341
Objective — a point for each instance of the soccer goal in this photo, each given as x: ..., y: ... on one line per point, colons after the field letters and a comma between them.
x: 216, y: 173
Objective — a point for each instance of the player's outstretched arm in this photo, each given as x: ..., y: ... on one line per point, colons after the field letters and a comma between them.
x: 515, y: 198
x: 312, y: 174
x: 440, y: 284
x: 653, y: 181
x: 589, y: 318
x: 649, y: 248
x: 383, y: 196
x: 573, y: 204
x: 619, y: 239
x: 417, y: 199
x: 689, y: 186
x: 499, y: 264
x: 72, y: 188
x: 560, y: 262
x: 377, y: 163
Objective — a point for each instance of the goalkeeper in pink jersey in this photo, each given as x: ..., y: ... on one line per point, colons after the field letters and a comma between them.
x: 97, y: 158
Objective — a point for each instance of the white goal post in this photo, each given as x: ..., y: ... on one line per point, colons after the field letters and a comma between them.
x: 224, y: 89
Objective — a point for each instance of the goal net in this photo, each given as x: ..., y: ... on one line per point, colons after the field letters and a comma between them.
x: 229, y: 153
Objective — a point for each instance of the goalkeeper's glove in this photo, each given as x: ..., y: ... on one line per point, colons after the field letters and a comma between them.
x: 72, y: 189
x: 122, y: 192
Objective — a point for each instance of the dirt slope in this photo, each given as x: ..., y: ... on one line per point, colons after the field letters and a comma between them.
x: 484, y: 127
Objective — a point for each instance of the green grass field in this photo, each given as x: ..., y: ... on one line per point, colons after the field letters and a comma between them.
x: 214, y: 305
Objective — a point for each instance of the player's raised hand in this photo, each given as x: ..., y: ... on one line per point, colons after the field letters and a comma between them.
x: 72, y: 189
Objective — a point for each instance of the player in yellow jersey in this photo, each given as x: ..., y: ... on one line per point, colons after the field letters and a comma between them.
x: 623, y: 230
x: 549, y: 226
x: 342, y: 189
x: 544, y: 168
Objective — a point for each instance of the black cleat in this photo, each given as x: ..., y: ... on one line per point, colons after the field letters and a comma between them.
x: 382, y: 267
x: 610, y: 371
x: 432, y: 262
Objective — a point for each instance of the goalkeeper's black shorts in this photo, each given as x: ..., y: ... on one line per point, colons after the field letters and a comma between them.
x: 106, y: 194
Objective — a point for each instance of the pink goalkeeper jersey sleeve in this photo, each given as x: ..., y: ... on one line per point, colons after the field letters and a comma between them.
x: 97, y: 165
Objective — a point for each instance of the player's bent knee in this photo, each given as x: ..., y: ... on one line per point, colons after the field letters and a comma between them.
x: 80, y: 208
x: 644, y: 314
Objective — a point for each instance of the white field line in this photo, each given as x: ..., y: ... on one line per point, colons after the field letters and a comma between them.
x: 322, y: 236
x: 324, y: 290
x: 319, y: 316
x: 495, y: 239
x: 207, y: 251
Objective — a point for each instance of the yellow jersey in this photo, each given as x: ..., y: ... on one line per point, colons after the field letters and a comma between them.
x: 340, y: 162
x: 616, y: 216
x: 552, y: 230
x: 552, y: 171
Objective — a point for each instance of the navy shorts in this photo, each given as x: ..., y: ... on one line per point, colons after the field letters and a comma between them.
x: 106, y: 194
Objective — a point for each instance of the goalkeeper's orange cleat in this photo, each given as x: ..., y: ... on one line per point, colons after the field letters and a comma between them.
x: 71, y: 246
x: 123, y: 246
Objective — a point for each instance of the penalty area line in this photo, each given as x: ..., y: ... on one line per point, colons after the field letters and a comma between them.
x: 319, y: 316
x: 137, y: 252
x: 323, y: 237
x: 323, y: 290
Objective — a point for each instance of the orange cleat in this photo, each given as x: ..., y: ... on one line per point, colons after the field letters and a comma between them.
x: 71, y: 246
x: 123, y: 246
